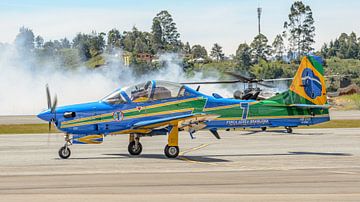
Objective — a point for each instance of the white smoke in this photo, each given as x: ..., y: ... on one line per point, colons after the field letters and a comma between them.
x: 23, y: 80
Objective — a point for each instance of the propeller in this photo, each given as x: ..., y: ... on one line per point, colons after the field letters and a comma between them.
x: 51, y: 106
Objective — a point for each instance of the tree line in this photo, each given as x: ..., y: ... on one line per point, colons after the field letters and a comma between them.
x: 260, y: 58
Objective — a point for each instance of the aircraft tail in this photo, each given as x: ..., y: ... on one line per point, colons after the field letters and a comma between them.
x: 308, y: 86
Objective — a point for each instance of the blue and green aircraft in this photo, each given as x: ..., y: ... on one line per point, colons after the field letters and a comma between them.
x: 165, y: 108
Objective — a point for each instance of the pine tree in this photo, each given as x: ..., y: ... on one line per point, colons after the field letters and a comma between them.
x: 157, y: 35
x: 301, y: 28
x: 170, y: 36
x: 278, y: 47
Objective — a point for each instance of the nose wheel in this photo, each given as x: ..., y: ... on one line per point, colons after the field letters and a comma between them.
x: 64, y: 152
x: 171, y: 151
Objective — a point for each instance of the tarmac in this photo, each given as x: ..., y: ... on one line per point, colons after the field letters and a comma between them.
x: 308, y: 165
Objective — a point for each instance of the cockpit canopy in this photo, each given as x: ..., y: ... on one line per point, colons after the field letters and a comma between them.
x: 150, y: 90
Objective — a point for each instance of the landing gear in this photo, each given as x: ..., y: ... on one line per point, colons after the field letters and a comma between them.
x: 135, y: 147
x: 64, y: 152
x: 288, y: 129
x: 171, y: 151
x: 263, y: 128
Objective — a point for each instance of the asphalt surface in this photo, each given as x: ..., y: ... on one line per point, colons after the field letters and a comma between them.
x: 308, y: 165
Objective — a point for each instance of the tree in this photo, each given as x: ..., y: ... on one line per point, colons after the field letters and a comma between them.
x: 39, y: 42
x: 187, y: 48
x: 301, y: 28
x: 113, y: 40
x: 157, y: 35
x: 169, y: 34
x: 89, y: 45
x: 24, y: 41
x: 199, y: 51
x: 278, y: 47
x: 243, y: 56
x: 259, y: 48
x: 65, y: 43
x: 217, y: 53
x: 140, y: 46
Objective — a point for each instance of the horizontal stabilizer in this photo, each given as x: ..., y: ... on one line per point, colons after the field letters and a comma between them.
x: 308, y: 106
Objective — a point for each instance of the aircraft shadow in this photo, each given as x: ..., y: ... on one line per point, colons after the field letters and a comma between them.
x: 281, y: 132
x: 204, y: 158
x: 210, y: 158
x: 286, y: 154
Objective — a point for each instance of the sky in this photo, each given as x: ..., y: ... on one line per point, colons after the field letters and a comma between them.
x: 205, y: 22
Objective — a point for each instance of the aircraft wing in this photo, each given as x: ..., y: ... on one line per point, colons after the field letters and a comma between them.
x: 310, y: 106
x: 184, y: 121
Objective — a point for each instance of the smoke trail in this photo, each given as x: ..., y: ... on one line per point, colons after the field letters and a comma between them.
x: 23, y: 79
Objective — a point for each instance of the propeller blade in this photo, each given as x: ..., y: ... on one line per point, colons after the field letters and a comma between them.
x: 240, y: 77
x: 212, y: 82
x: 266, y: 85
x: 54, y: 104
x: 48, y: 96
x: 50, y: 125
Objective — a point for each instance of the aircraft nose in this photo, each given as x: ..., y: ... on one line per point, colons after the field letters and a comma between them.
x: 45, y: 115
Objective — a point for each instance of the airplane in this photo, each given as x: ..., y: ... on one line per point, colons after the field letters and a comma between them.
x: 165, y: 108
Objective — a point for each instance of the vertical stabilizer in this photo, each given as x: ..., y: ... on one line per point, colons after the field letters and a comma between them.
x: 309, y: 82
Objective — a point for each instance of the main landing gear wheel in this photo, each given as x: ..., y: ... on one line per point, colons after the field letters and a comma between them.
x: 171, y: 151
x: 263, y: 128
x: 288, y: 129
x: 64, y: 152
x: 135, y: 149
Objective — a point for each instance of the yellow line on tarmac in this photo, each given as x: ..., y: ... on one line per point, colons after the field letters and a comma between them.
x: 182, y: 157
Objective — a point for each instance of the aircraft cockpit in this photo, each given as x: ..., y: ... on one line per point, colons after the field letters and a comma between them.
x: 147, y: 91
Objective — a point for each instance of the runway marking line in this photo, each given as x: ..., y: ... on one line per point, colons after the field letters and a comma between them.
x: 182, y: 157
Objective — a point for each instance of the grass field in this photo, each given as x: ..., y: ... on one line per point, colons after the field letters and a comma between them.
x: 347, y: 102
x: 43, y: 128
x: 26, y: 128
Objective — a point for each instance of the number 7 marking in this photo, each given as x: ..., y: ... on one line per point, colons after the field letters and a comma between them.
x: 245, y: 107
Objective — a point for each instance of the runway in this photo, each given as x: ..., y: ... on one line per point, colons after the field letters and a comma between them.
x: 311, y: 165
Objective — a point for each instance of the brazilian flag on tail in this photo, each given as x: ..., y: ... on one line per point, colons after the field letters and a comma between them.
x: 308, y: 86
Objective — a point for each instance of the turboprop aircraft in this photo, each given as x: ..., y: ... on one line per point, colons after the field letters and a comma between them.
x: 165, y: 108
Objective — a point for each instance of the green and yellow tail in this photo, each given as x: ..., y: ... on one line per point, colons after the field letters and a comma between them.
x: 308, y: 86
x: 309, y: 82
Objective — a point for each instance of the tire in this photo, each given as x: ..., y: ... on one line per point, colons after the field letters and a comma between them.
x: 289, y: 130
x: 171, y: 151
x: 263, y: 128
x: 64, y: 152
x: 134, y: 151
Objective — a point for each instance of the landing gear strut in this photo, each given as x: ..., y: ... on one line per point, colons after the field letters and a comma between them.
x: 64, y: 152
x: 172, y: 149
x: 288, y: 129
x: 135, y: 147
